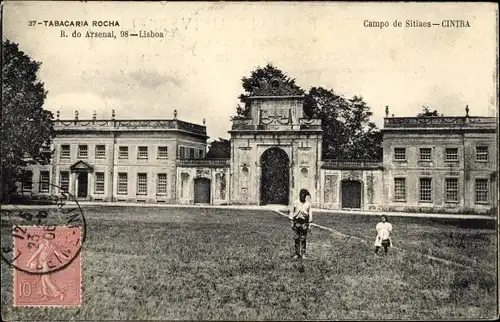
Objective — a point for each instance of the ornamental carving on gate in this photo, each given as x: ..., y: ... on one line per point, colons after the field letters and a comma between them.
x: 304, y: 156
x: 330, y: 189
x: 370, y: 188
x: 244, y: 177
x: 203, y: 173
x: 220, y: 185
x: 244, y: 156
x: 352, y: 175
x: 275, y: 87
x: 184, y: 185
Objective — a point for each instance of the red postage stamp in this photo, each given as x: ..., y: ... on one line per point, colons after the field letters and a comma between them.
x: 51, y: 262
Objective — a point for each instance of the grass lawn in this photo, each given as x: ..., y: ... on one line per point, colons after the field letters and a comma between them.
x: 206, y: 264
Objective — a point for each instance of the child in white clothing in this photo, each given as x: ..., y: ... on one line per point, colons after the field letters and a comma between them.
x: 383, y: 239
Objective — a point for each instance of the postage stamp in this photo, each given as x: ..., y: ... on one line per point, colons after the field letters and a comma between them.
x: 42, y: 243
x: 42, y: 250
x: 62, y: 210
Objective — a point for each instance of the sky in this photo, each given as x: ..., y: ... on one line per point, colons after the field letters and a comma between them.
x: 197, y: 67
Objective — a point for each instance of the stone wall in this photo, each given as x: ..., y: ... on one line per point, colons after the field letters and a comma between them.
x: 219, y: 184
x: 370, y: 182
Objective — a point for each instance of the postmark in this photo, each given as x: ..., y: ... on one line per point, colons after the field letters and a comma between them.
x: 60, y: 211
x: 48, y: 248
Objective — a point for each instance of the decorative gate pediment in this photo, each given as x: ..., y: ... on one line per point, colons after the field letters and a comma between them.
x: 203, y: 173
x: 352, y: 175
x: 275, y: 87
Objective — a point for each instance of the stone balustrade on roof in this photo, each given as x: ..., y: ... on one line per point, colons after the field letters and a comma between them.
x: 246, y: 124
x: 208, y: 163
x: 351, y: 164
x: 129, y: 125
x: 440, y: 122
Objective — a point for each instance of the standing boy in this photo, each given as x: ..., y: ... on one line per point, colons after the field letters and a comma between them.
x: 301, y: 218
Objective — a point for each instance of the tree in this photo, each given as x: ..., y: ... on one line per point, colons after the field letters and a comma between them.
x: 241, y: 112
x: 348, y: 132
x: 330, y: 108
x: 364, y: 140
x: 219, y: 149
x: 26, y: 126
x: 427, y: 112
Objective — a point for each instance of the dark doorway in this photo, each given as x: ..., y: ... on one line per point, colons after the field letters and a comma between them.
x: 202, y: 190
x: 275, y: 179
x: 351, y: 194
x: 83, y: 185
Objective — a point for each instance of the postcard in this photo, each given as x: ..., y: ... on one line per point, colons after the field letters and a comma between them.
x: 249, y: 160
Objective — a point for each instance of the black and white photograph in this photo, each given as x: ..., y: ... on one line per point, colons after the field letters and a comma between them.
x: 249, y: 161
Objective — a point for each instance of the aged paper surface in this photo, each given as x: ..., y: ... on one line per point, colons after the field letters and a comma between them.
x: 383, y: 108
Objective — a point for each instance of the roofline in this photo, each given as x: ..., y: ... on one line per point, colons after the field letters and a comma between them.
x: 122, y: 120
x: 275, y: 97
x: 69, y: 131
x: 137, y: 125
x: 276, y: 131
x: 441, y: 129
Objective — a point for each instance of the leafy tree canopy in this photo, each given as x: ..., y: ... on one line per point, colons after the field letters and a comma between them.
x: 219, y: 149
x: 26, y: 126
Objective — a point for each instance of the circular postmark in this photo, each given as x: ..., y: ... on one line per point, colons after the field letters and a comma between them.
x: 42, y: 234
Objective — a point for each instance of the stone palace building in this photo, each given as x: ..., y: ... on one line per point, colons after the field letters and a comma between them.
x: 444, y: 164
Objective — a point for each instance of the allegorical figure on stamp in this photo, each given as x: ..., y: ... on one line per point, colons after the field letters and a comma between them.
x: 301, y: 218
x: 46, y: 253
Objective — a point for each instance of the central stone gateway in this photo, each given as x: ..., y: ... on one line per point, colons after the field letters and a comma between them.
x: 276, y: 149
